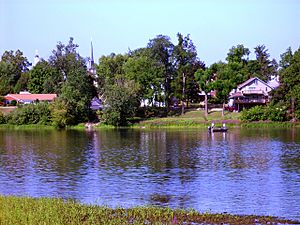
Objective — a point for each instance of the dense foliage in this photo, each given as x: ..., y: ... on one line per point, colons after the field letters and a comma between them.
x: 263, y: 113
x: 162, y: 74
x: 30, y: 114
x: 288, y: 93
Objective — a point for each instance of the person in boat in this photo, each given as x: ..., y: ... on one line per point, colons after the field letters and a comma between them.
x: 210, y: 128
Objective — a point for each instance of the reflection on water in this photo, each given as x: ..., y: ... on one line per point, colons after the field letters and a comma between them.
x: 242, y: 171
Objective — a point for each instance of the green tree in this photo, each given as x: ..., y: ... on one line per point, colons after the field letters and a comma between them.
x: 186, y: 64
x: 21, y: 85
x: 288, y: 93
x: 121, y: 102
x: 110, y: 68
x: 238, y: 54
x: 77, y: 88
x: 144, y: 70
x: 12, y: 66
x: 44, y: 78
x: 265, y: 67
x: 205, y: 79
x: 161, y: 50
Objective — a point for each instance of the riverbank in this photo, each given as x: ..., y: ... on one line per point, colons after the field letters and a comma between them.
x: 25, y: 210
x: 191, y: 119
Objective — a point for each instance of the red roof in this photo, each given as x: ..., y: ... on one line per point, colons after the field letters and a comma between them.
x: 31, y: 97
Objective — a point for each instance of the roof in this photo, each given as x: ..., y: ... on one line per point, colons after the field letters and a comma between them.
x: 236, y: 95
x: 252, y: 79
x: 31, y: 97
x: 274, y: 83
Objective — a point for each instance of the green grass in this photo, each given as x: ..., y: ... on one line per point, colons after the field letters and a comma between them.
x: 24, y: 127
x: 194, y: 118
x: 25, y: 210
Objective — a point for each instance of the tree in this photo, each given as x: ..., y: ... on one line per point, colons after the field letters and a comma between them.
x: 121, y: 102
x: 44, y: 78
x: 161, y: 49
x: 265, y: 67
x: 77, y: 88
x: 205, y: 79
x: 186, y: 64
x: 288, y: 93
x: 238, y: 54
x: 12, y: 66
x: 21, y: 85
x: 109, y: 68
x: 144, y: 70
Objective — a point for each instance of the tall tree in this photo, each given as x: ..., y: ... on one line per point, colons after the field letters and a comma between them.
x: 77, y: 88
x: 161, y: 49
x: 109, y: 68
x: 147, y: 74
x: 186, y: 64
x: 12, y: 67
x: 265, y: 67
x: 238, y: 54
x: 44, y: 78
x: 288, y: 93
x: 205, y: 79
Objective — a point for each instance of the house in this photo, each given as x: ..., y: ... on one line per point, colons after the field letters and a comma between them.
x: 96, y: 104
x: 251, y: 93
x: 28, y: 98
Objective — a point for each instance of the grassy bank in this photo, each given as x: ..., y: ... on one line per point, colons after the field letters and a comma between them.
x: 194, y: 118
x: 23, y: 210
x: 191, y: 119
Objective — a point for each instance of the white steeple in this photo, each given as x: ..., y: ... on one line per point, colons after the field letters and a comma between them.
x: 36, y: 58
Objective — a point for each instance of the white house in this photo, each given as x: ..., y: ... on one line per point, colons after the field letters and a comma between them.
x: 251, y: 93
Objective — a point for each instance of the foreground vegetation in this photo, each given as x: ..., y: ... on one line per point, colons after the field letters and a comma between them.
x: 25, y: 210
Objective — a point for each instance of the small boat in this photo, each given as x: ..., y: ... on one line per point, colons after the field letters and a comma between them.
x: 212, y: 128
x: 217, y: 129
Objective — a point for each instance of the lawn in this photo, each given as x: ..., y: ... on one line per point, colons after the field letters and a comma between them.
x: 192, y: 118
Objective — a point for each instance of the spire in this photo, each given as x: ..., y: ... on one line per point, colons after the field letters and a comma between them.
x: 92, y: 54
x: 36, y: 58
x: 92, y: 65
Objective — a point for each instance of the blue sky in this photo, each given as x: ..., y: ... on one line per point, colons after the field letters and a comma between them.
x: 115, y: 25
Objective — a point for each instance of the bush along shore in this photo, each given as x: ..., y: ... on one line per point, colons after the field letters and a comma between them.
x: 40, y: 116
x: 25, y: 210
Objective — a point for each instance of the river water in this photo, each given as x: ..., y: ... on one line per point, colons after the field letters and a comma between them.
x: 245, y: 171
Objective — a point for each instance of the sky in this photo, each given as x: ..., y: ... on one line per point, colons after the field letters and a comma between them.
x: 119, y: 25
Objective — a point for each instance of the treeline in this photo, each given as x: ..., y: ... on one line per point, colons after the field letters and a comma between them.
x: 157, y: 75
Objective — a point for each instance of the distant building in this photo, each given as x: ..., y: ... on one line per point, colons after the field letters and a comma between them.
x: 251, y: 93
x: 36, y: 58
x: 28, y: 98
x: 96, y: 104
x: 91, y: 66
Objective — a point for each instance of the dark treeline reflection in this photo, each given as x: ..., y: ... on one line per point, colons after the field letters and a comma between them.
x: 244, y: 171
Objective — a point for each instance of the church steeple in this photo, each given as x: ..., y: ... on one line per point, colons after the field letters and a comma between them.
x: 92, y: 64
x: 36, y: 58
x: 92, y: 55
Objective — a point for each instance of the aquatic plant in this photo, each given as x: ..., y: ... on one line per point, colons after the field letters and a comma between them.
x: 25, y: 210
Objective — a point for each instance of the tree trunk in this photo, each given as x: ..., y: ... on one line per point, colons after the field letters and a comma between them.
x: 183, y: 94
x: 223, y: 109
x: 206, y: 105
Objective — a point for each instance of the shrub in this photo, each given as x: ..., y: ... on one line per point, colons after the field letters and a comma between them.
x: 60, y: 114
x: 13, y: 103
x: 31, y: 114
x: 257, y: 113
x: 2, y: 118
x: 253, y: 114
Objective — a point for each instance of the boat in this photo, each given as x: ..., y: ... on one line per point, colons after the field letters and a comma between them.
x: 212, y: 128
